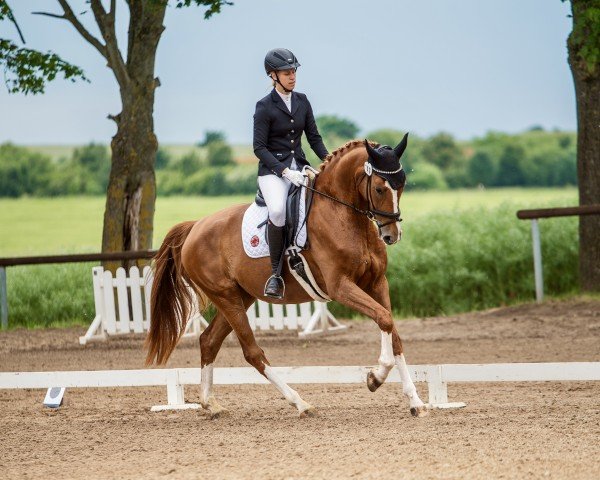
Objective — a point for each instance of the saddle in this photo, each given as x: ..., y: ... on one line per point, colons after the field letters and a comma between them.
x: 254, y: 238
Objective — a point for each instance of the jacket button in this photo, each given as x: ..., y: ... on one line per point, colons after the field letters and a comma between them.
x: 291, y: 131
x: 292, y: 151
x: 292, y: 120
x: 292, y: 141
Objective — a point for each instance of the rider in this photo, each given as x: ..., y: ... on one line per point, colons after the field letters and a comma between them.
x: 279, y: 121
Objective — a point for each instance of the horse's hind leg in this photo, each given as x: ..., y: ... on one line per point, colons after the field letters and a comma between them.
x: 210, y: 344
x: 235, y: 312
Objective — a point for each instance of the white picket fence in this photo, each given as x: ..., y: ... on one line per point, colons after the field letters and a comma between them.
x: 122, y: 306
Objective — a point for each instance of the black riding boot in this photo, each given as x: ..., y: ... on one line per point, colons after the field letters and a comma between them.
x: 275, y: 288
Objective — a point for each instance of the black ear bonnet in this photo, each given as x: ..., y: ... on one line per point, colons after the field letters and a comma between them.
x: 384, y: 161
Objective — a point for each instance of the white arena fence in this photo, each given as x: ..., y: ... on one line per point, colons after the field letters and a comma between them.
x: 436, y: 376
x: 122, y: 306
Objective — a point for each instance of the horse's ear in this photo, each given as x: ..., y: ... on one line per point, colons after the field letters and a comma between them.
x: 371, y: 151
x: 399, y: 150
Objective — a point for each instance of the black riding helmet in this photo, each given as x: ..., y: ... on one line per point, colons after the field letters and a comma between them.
x: 280, y: 59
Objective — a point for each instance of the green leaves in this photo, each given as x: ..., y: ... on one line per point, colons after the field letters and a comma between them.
x: 27, y: 71
x: 214, y: 6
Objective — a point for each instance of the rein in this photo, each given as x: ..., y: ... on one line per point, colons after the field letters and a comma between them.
x: 370, y: 212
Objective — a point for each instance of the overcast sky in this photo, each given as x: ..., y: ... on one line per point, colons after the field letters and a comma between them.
x: 462, y: 66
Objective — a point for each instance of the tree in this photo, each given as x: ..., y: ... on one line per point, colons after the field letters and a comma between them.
x: 510, y: 171
x: 334, y: 126
x: 482, y: 169
x: 22, y: 172
x: 211, y: 136
x: 219, y: 154
x: 131, y: 193
x: 442, y: 150
x: 584, y: 59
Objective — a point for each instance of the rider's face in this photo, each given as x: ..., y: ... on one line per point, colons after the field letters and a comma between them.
x: 286, y: 77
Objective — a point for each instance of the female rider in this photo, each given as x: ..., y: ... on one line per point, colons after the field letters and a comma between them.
x: 279, y: 121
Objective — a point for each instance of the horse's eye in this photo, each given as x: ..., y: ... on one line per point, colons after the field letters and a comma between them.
x: 379, y: 190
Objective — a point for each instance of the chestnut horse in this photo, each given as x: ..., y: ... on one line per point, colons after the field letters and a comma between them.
x: 347, y: 256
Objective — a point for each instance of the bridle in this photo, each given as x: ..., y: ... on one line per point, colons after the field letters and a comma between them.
x: 371, y: 212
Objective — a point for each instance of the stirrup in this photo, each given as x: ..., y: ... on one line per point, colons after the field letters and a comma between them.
x: 275, y: 287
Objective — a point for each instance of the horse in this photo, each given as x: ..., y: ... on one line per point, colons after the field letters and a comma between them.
x: 354, y: 215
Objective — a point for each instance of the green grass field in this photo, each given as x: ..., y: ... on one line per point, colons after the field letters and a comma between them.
x: 31, y: 226
x: 462, y: 250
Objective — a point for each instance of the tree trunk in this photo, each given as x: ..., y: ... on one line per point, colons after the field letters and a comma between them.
x: 586, y: 76
x: 131, y: 193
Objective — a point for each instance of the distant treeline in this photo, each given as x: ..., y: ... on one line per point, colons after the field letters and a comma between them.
x: 533, y: 158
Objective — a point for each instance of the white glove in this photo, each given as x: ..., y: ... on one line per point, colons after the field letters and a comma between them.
x: 294, y: 176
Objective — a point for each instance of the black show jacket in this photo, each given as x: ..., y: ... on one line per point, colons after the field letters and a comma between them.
x: 278, y: 132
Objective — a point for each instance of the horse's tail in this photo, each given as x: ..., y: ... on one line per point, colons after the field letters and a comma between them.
x: 171, y: 299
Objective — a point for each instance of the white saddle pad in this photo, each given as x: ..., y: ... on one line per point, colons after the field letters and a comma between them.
x: 253, y: 238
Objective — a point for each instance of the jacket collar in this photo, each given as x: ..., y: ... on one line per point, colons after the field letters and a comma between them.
x: 281, y: 104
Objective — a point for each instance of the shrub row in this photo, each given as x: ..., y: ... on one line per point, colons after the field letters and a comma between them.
x: 446, y: 263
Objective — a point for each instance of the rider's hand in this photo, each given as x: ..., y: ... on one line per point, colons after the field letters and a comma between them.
x: 293, y: 176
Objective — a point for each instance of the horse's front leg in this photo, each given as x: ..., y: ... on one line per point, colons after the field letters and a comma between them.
x: 391, y: 347
x: 379, y: 309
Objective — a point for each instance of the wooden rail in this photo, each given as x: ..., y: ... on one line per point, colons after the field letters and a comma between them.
x: 559, y: 212
x: 77, y: 258
x: 534, y: 215
x: 41, y: 260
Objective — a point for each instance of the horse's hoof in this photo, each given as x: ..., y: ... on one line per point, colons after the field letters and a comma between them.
x: 372, y: 382
x: 419, y: 411
x: 309, y: 412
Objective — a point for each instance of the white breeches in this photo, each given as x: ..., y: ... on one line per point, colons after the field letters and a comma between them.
x: 275, y: 191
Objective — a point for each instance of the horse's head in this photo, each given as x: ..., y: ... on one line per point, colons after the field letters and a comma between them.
x: 383, y: 188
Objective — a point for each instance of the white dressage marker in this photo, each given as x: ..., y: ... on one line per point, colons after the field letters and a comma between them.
x: 54, y: 397
x: 129, y: 311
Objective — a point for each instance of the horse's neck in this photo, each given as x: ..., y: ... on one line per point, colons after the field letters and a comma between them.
x: 338, y: 181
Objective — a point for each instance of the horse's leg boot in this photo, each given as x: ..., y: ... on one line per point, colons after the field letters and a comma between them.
x: 275, y: 287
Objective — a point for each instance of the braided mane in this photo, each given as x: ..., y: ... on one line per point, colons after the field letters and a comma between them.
x: 343, y: 150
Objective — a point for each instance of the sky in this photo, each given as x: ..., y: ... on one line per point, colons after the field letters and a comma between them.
x: 460, y: 66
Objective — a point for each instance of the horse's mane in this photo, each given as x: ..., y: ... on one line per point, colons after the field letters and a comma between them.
x: 343, y: 150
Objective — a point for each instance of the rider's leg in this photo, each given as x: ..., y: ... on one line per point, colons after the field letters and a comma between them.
x: 275, y: 190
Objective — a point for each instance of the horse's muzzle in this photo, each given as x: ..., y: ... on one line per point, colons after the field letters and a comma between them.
x: 389, y: 240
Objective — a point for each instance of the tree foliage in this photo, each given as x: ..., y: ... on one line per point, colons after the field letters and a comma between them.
x: 28, y: 71
x: 532, y: 158
x: 338, y: 127
x: 211, y: 136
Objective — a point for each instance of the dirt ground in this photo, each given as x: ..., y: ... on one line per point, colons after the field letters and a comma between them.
x: 510, y: 430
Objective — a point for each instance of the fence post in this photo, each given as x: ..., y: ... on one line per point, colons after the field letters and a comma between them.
x: 3, y: 299
x: 537, y: 260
